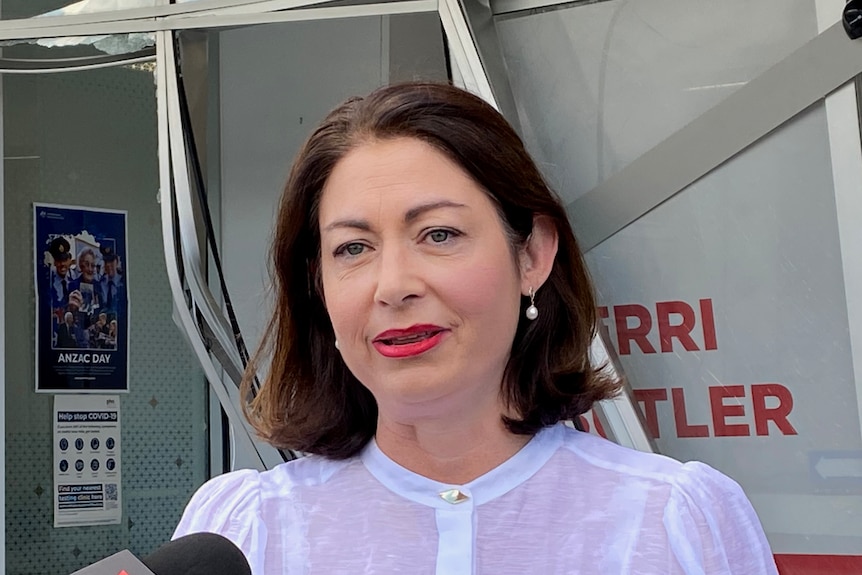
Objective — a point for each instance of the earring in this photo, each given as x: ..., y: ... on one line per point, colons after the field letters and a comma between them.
x: 532, y: 311
x: 337, y: 346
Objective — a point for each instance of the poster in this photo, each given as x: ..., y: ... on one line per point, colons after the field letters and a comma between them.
x: 87, y: 486
x: 82, y: 306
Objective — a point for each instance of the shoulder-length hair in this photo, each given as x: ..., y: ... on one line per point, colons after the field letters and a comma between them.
x: 309, y: 400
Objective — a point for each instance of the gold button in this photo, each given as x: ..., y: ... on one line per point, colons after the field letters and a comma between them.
x: 453, y: 496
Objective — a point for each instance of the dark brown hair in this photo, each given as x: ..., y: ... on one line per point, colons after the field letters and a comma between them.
x: 309, y: 400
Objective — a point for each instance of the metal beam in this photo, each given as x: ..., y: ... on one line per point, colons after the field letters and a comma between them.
x: 40, y: 66
x: 483, y: 33
x: 803, y: 78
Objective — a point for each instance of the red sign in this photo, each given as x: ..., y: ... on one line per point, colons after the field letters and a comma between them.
x: 818, y: 564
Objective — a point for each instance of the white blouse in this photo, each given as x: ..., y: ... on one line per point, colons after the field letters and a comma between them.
x: 567, y: 503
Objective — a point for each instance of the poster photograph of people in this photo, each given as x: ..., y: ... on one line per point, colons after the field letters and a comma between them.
x: 82, y: 306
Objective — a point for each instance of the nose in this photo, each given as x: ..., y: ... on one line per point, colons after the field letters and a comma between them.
x: 399, y: 280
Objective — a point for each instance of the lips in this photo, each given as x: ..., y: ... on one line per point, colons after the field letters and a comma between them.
x: 409, y: 342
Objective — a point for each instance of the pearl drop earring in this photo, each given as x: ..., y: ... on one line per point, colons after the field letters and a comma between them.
x: 532, y: 311
x: 337, y: 346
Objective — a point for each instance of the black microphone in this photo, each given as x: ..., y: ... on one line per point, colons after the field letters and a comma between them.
x: 195, y: 554
x: 198, y: 554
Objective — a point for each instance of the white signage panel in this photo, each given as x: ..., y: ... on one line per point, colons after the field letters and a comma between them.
x: 728, y: 310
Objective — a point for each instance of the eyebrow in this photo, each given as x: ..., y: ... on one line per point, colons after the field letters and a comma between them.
x: 411, y: 215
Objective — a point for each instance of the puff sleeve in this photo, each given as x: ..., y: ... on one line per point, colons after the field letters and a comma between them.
x: 712, y: 526
x: 229, y: 505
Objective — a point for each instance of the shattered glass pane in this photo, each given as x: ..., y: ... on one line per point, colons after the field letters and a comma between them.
x: 113, y: 44
x: 12, y: 9
x: 109, y: 44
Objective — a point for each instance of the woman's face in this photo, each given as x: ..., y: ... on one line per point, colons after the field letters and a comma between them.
x: 87, y: 264
x: 419, y: 279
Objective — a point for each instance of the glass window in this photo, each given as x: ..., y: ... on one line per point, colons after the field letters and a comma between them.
x: 728, y: 304
x: 89, y: 138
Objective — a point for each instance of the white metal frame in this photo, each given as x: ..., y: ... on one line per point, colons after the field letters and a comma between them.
x: 210, y: 14
x: 173, y: 167
x: 77, y: 68
x: 845, y: 142
x: 466, y: 62
x: 2, y: 339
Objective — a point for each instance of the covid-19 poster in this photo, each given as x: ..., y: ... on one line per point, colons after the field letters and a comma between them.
x: 82, y: 304
x: 87, y: 470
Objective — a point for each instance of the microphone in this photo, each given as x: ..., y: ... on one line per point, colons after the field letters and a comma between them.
x: 198, y: 554
x: 195, y: 554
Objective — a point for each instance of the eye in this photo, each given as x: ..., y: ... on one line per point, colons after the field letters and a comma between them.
x: 351, y: 249
x: 440, y: 236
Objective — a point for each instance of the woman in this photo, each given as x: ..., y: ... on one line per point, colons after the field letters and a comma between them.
x: 86, y: 284
x: 431, y: 331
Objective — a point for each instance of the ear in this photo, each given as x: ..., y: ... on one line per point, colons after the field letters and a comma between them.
x: 536, y: 258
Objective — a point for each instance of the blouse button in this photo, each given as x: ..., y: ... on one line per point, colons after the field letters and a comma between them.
x: 454, y: 496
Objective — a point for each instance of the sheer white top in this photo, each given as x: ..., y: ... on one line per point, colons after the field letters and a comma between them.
x: 567, y: 503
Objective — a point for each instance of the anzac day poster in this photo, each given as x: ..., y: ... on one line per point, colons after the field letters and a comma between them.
x: 82, y: 306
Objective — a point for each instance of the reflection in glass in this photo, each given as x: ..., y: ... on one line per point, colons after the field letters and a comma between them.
x: 625, y: 75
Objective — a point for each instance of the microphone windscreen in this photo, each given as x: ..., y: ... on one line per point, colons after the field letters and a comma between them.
x: 198, y: 554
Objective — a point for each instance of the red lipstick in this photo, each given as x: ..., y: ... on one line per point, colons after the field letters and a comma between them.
x: 408, y: 342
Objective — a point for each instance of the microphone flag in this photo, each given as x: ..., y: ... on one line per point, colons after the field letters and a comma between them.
x: 122, y: 563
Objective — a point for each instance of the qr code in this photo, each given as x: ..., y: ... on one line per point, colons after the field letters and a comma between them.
x: 111, y: 496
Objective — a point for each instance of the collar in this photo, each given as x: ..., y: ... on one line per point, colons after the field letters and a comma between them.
x: 499, y: 481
